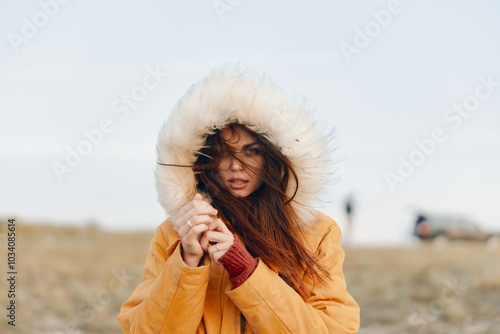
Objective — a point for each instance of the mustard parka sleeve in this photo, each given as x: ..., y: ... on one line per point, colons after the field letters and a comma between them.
x: 271, y: 306
x: 169, y: 292
x: 171, y: 298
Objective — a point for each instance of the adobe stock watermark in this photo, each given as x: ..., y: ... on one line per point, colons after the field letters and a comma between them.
x: 121, y: 107
x: 425, y: 315
x: 453, y: 117
x: 223, y: 6
x: 87, y: 310
x: 32, y: 26
x: 364, y: 36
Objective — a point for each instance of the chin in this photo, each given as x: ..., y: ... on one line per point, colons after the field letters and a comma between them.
x: 241, y: 194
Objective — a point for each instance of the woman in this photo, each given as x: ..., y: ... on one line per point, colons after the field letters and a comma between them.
x: 242, y: 250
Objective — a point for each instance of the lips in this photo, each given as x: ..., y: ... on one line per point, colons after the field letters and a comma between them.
x: 237, y: 183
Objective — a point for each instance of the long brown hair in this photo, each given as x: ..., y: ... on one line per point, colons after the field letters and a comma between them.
x: 265, y: 221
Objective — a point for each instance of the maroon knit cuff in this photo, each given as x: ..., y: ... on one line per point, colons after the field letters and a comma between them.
x: 238, y: 262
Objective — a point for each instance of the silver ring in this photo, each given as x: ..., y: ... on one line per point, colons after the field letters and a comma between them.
x: 189, y: 223
x: 217, y: 247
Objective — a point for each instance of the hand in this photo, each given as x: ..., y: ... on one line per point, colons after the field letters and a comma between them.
x: 194, y: 220
x: 217, y: 240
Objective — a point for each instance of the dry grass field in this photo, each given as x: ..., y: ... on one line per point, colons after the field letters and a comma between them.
x: 74, y: 280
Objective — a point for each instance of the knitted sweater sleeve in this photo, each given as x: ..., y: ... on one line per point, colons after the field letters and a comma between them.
x: 238, y: 262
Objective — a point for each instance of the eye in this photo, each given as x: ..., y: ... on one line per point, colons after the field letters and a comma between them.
x: 253, y: 151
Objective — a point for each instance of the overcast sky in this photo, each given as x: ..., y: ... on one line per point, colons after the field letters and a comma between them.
x: 412, y: 89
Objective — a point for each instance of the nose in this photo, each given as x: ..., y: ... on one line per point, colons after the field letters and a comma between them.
x: 235, y: 164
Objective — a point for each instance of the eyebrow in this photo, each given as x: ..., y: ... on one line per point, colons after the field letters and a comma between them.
x: 250, y: 145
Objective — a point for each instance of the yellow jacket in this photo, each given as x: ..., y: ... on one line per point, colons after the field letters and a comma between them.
x: 174, y: 298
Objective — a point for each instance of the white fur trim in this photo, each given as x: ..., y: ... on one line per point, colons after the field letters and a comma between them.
x: 228, y: 96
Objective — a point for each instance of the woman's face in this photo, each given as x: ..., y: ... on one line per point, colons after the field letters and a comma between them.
x: 237, y: 179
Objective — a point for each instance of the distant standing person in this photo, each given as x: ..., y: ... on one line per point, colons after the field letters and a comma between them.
x: 349, y: 206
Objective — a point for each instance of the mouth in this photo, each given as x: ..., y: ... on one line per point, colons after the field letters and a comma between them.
x: 236, y: 183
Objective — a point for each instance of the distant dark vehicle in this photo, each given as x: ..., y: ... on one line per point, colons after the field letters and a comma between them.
x: 450, y: 227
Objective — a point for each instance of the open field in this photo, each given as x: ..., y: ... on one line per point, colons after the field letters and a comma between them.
x: 74, y: 280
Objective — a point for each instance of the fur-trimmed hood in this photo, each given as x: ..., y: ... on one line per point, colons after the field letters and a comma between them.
x: 228, y: 96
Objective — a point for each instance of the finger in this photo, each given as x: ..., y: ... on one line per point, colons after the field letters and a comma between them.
x: 202, y: 210
x: 223, y: 228
x: 204, y: 242
x: 189, y: 206
x: 219, y: 226
x: 220, y: 247
x: 194, y: 235
x: 200, y: 219
x: 215, y: 249
x: 217, y: 255
x: 196, y: 205
x: 218, y: 250
x: 196, y: 216
x: 205, y: 210
x: 183, y: 230
x: 194, y: 221
x: 213, y: 224
x: 211, y: 237
x: 196, y: 197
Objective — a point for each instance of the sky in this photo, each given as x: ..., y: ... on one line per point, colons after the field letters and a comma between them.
x: 411, y: 89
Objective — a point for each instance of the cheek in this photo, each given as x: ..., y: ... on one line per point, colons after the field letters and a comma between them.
x: 259, y: 167
x: 223, y: 165
x: 220, y: 173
